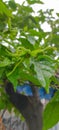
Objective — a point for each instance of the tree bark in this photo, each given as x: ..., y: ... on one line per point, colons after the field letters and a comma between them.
x: 34, y: 111
x: 34, y: 118
x: 29, y: 106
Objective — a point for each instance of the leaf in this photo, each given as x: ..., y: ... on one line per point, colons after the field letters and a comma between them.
x: 40, y: 34
x: 3, y: 51
x: 2, y: 105
x: 13, y: 77
x: 5, y: 62
x: 34, y: 1
x: 31, y: 39
x: 44, y: 70
x: 1, y: 72
x: 36, y: 51
x: 27, y: 9
x: 57, y: 14
x: 22, y: 75
x: 12, y: 4
x: 4, y: 9
x: 29, y: 77
x: 51, y: 112
x: 26, y: 43
x: 2, y: 99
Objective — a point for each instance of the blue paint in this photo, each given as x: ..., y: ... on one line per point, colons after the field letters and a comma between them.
x: 26, y: 89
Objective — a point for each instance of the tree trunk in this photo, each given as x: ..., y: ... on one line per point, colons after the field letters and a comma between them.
x: 33, y: 112
x: 29, y: 106
x: 34, y: 122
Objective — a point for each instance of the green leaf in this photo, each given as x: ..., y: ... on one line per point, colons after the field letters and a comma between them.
x: 25, y: 43
x: 25, y: 76
x: 27, y: 9
x: 51, y: 112
x: 5, y: 62
x: 1, y: 72
x: 3, y: 98
x: 12, y: 4
x: 34, y: 1
x: 44, y: 71
x: 40, y: 34
x: 13, y: 77
x: 22, y: 75
x: 4, y: 9
x: 57, y: 14
x: 31, y: 39
x: 2, y: 105
x: 3, y: 51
